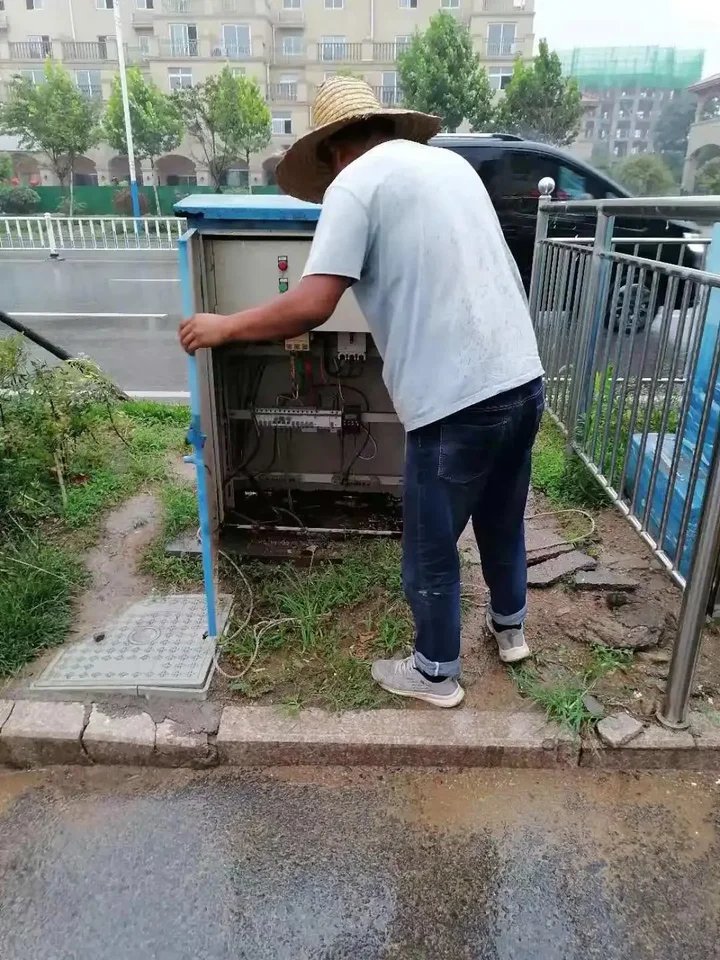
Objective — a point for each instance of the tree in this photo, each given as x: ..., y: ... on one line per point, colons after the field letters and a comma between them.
x: 708, y: 178
x: 6, y: 167
x: 645, y: 175
x: 155, y: 117
x: 440, y: 73
x: 222, y: 115
x: 540, y: 103
x: 672, y: 130
x: 54, y: 117
x: 256, y: 126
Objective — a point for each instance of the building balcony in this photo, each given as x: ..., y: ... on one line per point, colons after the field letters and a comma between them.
x: 142, y: 18
x: 30, y: 50
x: 502, y: 50
x: 213, y: 8
x: 283, y: 92
x: 286, y: 58
x: 89, y: 51
x: 289, y: 18
x: 388, y: 96
x: 179, y: 49
x: 204, y: 48
x: 4, y: 25
x: 388, y: 52
x: 509, y: 7
x: 339, y: 52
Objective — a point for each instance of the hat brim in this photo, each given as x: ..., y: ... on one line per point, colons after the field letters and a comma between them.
x: 301, y: 174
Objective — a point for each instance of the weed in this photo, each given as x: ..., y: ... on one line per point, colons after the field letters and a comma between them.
x: 36, y: 591
x: 562, y: 695
x: 180, y: 511
x: 560, y: 474
x: 394, y: 634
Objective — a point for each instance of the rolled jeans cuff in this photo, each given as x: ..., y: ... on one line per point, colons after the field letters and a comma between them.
x: 434, y: 669
x: 509, y: 620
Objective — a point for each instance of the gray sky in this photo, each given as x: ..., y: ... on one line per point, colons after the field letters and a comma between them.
x: 600, y: 23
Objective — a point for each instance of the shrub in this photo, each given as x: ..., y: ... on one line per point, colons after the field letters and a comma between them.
x: 122, y: 203
x: 19, y: 200
x: 78, y: 208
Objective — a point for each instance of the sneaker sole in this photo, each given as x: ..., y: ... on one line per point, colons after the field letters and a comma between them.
x: 445, y: 702
x: 515, y: 654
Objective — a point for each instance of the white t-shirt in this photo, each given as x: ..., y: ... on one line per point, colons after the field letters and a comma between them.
x: 442, y: 295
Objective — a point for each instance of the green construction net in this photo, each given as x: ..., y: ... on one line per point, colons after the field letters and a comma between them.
x: 605, y: 68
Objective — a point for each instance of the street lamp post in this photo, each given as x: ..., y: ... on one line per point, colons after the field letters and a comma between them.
x: 134, y: 196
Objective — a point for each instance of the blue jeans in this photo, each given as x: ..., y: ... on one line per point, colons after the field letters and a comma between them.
x: 473, y: 464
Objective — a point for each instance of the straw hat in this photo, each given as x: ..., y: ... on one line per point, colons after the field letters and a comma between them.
x: 341, y: 101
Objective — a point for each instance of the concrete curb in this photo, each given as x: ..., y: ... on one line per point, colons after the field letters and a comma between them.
x: 35, y: 733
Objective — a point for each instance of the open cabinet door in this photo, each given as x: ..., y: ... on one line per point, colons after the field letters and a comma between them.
x: 203, y: 420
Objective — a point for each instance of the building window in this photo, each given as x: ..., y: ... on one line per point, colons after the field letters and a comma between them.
x: 39, y: 47
x: 34, y: 4
x: 144, y: 44
x: 589, y: 130
x: 104, y: 4
x: 179, y: 77
x: 287, y: 88
x: 408, y: 4
x: 501, y: 39
x: 183, y: 40
x: 281, y: 124
x: 500, y: 77
x: 333, y: 48
x: 239, y: 71
x: 450, y: 4
x: 292, y: 45
x: 334, y: 4
x: 32, y: 76
x: 292, y: 4
x: 145, y: 4
x: 89, y: 82
x: 402, y: 43
x: 236, y: 40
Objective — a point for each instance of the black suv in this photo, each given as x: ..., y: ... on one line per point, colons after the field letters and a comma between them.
x: 511, y: 169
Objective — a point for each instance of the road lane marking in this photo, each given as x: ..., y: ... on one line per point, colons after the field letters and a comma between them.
x: 144, y: 280
x: 78, y: 314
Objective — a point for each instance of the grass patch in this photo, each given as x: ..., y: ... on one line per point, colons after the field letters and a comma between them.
x: 36, y: 591
x: 562, y: 695
x: 560, y: 475
x: 324, y: 626
x: 68, y: 451
x: 180, y: 511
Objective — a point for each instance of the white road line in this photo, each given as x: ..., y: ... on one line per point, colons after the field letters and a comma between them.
x: 144, y: 280
x: 158, y: 394
x: 75, y: 313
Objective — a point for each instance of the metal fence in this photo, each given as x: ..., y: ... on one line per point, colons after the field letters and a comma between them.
x: 58, y: 234
x: 629, y: 333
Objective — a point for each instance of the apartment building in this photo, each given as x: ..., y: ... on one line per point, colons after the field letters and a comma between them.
x: 624, y: 92
x: 288, y: 46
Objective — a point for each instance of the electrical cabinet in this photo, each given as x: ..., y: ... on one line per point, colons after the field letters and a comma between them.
x: 299, y: 434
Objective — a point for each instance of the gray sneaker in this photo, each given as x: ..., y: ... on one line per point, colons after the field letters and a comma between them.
x: 402, y: 677
x: 512, y: 645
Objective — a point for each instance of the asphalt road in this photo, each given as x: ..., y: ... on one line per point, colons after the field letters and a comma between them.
x: 123, y: 310
x: 102, y: 864
x: 120, y: 309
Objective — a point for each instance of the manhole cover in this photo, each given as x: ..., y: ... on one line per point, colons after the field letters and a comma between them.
x: 156, y: 645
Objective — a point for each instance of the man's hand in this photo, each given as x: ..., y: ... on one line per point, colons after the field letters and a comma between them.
x: 204, y: 330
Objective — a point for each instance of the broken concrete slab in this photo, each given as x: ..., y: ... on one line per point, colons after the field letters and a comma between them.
x: 619, y: 729
x: 655, y: 748
x: 176, y: 746
x: 256, y: 736
x: 6, y: 708
x: 547, y: 553
x: 119, y: 738
x: 551, y: 571
x: 37, y: 734
x: 706, y: 728
x: 593, y: 706
x: 603, y: 578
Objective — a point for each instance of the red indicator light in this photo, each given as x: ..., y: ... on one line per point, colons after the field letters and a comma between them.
x: 282, y: 263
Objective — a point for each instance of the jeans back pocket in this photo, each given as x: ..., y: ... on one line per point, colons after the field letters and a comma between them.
x: 468, y: 451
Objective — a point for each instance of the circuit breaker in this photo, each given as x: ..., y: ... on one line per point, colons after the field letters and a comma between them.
x: 300, y: 433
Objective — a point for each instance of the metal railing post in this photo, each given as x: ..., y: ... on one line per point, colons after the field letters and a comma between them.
x: 701, y: 577
x: 50, y: 232
x: 546, y: 187
x: 591, y: 318
x: 686, y: 650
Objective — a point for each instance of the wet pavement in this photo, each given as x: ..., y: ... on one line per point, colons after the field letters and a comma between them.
x: 115, y: 864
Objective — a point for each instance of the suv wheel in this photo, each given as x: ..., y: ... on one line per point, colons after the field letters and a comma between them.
x: 640, y: 295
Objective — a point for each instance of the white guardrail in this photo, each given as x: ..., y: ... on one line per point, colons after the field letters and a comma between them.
x: 57, y: 234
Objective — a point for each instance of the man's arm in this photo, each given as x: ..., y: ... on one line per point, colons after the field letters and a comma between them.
x: 299, y: 310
